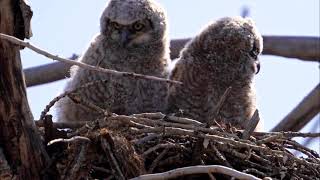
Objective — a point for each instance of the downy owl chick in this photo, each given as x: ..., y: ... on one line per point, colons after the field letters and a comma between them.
x: 132, y: 38
x: 224, y: 54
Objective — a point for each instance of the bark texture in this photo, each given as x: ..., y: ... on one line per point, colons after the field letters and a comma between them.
x: 19, y: 139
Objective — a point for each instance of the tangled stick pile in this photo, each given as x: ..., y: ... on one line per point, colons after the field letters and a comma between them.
x: 122, y: 147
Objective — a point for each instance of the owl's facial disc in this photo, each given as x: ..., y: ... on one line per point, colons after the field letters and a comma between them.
x: 133, y: 33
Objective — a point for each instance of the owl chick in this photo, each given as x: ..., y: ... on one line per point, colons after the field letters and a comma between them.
x: 224, y: 54
x: 132, y: 38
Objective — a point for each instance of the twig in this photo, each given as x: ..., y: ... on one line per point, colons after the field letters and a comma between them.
x: 80, y: 100
x: 303, y: 149
x: 183, y: 120
x: 251, y: 125
x: 156, y: 161
x: 308, y: 108
x: 220, y: 156
x: 261, y: 159
x: 73, y: 139
x: 159, y: 146
x: 83, y: 129
x: 157, y: 115
x: 64, y: 125
x: 269, y: 139
x: 145, y: 139
x: 106, y: 147
x: 226, y: 148
x: 83, y: 65
x: 197, y: 170
x: 78, y: 163
x: 288, y: 134
x: 168, y: 118
x: 255, y: 171
x: 211, y: 117
x: 107, y: 171
x: 68, y: 93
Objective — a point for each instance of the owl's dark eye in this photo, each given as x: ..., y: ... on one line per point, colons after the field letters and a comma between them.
x: 115, y: 25
x: 254, y: 52
x: 138, y: 26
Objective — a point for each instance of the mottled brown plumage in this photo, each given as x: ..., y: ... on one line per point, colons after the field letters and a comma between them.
x: 133, y: 38
x: 224, y: 54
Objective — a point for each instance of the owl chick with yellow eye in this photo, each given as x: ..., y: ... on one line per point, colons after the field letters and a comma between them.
x: 224, y: 54
x: 132, y: 38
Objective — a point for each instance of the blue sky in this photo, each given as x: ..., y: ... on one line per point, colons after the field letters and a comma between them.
x: 66, y: 27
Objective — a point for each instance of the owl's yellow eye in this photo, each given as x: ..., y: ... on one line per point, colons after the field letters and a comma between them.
x: 115, y: 25
x: 138, y: 26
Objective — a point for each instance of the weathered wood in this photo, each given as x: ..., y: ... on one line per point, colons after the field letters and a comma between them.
x: 19, y: 139
x: 306, y: 110
x: 304, y: 48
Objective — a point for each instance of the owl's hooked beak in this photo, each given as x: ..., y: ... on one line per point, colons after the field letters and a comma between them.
x: 124, y: 37
x: 257, y: 66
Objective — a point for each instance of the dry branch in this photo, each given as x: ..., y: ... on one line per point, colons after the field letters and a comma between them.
x: 83, y: 65
x: 73, y: 139
x: 306, y: 110
x: 19, y: 137
x: 196, y: 170
x: 304, y: 48
x: 35, y: 75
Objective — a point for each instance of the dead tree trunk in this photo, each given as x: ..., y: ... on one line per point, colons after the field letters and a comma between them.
x: 19, y: 140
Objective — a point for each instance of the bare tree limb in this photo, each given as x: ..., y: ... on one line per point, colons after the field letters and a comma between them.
x: 305, y: 48
x: 19, y: 139
x: 83, y: 65
x: 197, y: 170
x: 306, y: 110
x: 47, y: 73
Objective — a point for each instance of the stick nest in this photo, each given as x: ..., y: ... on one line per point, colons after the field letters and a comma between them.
x: 123, y: 147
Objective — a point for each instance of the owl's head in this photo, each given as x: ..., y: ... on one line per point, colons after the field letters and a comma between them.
x: 231, y: 41
x: 134, y: 22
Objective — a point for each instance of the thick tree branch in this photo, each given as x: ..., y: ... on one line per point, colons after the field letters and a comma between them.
x: 306, y: 110
x: 305, y: 48
x: 19, y: 139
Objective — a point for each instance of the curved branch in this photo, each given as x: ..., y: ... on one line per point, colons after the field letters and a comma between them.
x: 197, y: 170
